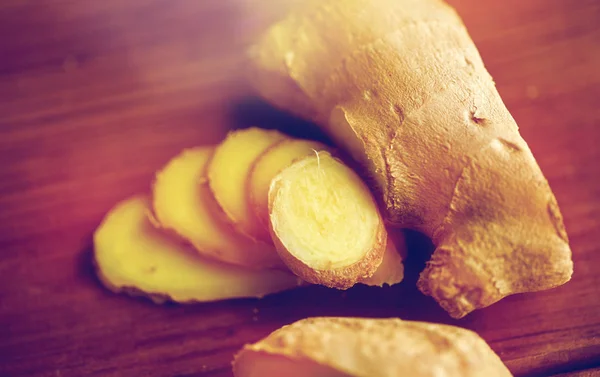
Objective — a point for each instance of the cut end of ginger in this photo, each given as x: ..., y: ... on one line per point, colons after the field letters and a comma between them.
x: 229, y: 170
x: 346, y: 347
x: 132, y: 256
x: 325, y: 222
x: 267, y: 166
x: 184, y: 204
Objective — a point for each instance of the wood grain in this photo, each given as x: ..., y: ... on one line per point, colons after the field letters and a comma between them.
x: 96, y: 95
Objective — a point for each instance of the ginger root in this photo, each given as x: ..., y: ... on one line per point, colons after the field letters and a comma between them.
x: 229, y: 170
x: 359, y: 347
x: 184, y: 204
x: 401, y: 86
x: 325, y: 223
x: 133, y: 256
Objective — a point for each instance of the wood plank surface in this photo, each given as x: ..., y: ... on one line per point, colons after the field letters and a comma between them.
x: 96, y: 95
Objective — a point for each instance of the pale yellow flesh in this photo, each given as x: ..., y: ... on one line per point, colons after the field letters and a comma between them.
x: 183, y: 202
x: 229, y: 170
x: 132, y: 254
x: 391, y: 269
x: 322, y: 213
x: 267, y: 166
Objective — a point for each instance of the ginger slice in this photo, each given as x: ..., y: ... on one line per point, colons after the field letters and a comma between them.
x: 229, y: 170
x: 400, y: 86
x: 280, y: 156
x: 325, y: 223
x: 184, y: 203
x: 267, y: 166
x: 360, y: 347
x: 133, y: 256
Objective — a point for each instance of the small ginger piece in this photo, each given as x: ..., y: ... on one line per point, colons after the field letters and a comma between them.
x: 361, y: 347
x: 267, y: 166
x: 134, y: 257
x: 229, y: 170
x: 391, y: 269
x: 184, y: 203
x: 325, y: 223
x: 400, y: 86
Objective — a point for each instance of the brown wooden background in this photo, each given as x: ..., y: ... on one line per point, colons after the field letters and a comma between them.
x: 96, y: 95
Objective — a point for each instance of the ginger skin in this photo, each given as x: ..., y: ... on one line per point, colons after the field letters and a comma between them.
x: 360, y: 347
x: 400, y: 85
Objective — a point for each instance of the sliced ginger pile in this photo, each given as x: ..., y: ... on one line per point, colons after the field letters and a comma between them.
x: 400, y: 87
x: 222, y: 222
x: 134, y: 256
x: 185, y: 204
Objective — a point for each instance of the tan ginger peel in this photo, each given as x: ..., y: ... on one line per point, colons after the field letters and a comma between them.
x: 360, y: 347
x: 401, y: 86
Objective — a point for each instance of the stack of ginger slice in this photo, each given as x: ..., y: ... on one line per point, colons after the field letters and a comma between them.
x: 257, y: 214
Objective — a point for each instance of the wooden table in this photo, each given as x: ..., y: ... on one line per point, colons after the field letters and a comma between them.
x: 96, y: 95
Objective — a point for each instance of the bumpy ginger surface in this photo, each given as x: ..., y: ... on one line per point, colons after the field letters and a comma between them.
x: 400, y: 85
x: 360, y: 347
